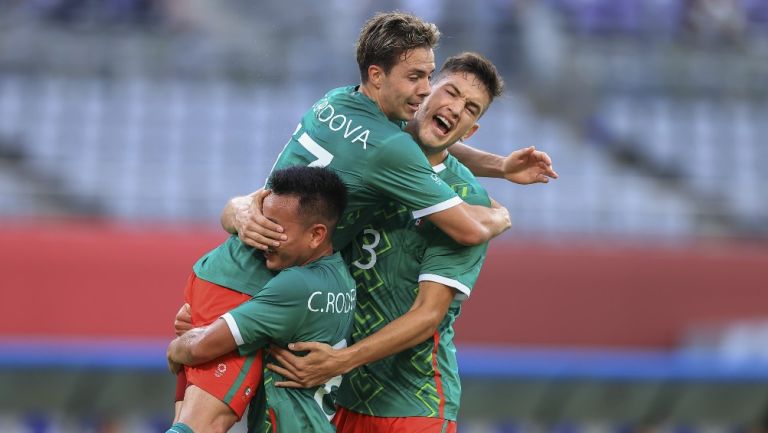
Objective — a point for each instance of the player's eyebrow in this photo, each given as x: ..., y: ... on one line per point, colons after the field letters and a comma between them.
x: 420, y: 71
x: 469, y: 101
x: 417, y: 72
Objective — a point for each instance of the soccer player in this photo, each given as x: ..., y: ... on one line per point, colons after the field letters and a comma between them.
x: 400, y: 374
x: 313, y: 297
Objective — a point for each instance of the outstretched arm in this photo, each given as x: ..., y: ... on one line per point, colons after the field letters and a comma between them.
x: 323, y: 362
x: 200, y: 345
x: 524, y: 166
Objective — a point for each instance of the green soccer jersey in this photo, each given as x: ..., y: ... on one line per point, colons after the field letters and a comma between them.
x: 388, y: 261
x: 376, y: 159
x: 315, y: 302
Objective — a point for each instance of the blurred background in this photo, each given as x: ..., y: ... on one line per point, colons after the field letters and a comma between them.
x: 630, y: 294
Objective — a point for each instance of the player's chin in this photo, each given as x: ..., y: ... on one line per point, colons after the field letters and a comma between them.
x: 273, y: 264
x: 434, y: 141
x: 409, y: 111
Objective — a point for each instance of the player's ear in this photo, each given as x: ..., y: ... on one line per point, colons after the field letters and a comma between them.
x: 471, y: 132
x: 375, y: 75
x: 318, y: 234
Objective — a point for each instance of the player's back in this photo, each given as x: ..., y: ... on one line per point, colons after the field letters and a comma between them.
x: 325, y: 297
x: 377, y: 161
x: 347, y: 132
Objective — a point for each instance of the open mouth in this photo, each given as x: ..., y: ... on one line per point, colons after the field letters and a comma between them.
x: 442, y: 124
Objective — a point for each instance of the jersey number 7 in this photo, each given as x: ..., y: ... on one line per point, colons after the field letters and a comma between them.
x: 323, y: 156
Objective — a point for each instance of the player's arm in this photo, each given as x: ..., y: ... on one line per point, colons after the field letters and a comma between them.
x: 402, y: 173
x: 242, y: 216
x: 200, y: 345
x: 323, y: 362
x: 472, y: 225
x: 524, y: 166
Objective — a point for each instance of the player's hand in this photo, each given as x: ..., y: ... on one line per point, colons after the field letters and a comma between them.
x: 253, y: 228
x: 183, y: 321
x: 527, y: 166
x: 503, y: 221
x: 320, y: 364
x: 174, y: 367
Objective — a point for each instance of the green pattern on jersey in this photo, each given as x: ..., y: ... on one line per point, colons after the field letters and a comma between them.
x: 315, y: 302
x: 396, y: 252
x: 375, y: 158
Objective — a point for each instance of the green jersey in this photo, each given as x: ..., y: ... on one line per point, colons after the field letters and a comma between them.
x: 376, y: 159
x: 315, y: 302
x: 388, y: 261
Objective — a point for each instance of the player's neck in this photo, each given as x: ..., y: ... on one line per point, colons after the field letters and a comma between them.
x: 372, y: 93
x: 437, y: 157
x: 318, y: 254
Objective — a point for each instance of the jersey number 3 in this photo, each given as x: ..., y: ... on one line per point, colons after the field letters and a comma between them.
x: 370, y: 248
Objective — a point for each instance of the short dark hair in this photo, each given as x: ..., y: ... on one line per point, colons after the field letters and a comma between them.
x: 387, y: 36
x: 321, y: 193
x: 478, y: 65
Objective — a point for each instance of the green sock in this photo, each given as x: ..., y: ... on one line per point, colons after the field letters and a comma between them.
x: 180, y: 427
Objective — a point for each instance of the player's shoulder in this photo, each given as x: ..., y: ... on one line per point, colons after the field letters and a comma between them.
x: 289, y: 282
x: 454, y: 167
x: 346, y: 101
x: 310, y: 270
x: 343, y: 93
x: 348, y: 115
x: 349, y: 101
x: 400, y: 147
x: 461, y: 179
x: 328, y: 268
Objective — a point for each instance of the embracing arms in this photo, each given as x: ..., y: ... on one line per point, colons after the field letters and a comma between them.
x: 323, y: 362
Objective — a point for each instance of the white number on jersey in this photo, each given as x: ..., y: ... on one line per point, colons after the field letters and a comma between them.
x: 370, y: 248
x: 323, y: 156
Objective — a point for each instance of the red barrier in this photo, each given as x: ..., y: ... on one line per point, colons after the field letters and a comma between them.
x: 611, y: 296
x: 95, y: 280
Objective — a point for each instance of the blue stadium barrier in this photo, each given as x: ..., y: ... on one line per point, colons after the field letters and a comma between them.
x: 605, y: 364
x: 105, y: 354
x: 474, y: 361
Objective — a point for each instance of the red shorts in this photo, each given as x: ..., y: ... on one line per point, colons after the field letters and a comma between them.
x: 347, y: 421
x: 231, y: 378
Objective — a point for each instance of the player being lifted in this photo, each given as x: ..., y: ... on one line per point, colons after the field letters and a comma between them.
x: 313, y: 297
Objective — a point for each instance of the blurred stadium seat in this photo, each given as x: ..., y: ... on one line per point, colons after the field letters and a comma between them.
x: 127, y: 124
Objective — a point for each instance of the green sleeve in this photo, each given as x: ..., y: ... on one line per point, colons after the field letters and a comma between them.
x: 400, y: 171
x: 274, y: 314
x: 452, y: 264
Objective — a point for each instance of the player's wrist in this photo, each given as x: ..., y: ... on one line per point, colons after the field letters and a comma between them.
x: 495, y: 167
x: 349, y: 359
